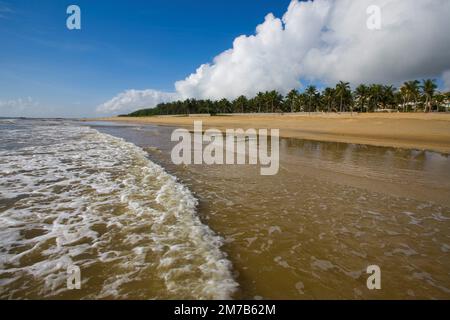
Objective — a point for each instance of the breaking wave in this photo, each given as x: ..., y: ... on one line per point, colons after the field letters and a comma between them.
x: 70, y: 195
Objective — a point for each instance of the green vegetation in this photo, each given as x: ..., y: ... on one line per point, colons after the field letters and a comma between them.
x: 413, y: 96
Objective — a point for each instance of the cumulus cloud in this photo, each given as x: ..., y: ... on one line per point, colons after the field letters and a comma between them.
x: 328, y: 41
x: 130, y: 100
x: 16, y: 107
x: 324, y: 41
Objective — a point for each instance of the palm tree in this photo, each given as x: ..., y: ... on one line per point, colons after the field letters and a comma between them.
x: 446, y: 100
x: 342, y: 92
x: 413, y: 91
x: 404, y: 92
x: 260, y: 97
x: 240, y: 104
x: 388, y: 96
x: 224, y: 106
x: 273, y: 100
x: 361, y: 93
x: 292, y: 99
x: 277, y: 101
x: 376, y: 92
x: 328, y: 96
x: 311, y: 92
x: 428, y: 90
x: 303, y: 101
x: 440, y: 100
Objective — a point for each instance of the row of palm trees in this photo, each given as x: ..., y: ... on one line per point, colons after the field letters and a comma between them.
x: 413, y: 96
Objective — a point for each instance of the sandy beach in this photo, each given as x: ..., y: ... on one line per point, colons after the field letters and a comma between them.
x: 410, y: 130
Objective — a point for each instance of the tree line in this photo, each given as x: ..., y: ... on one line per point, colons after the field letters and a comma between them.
x: 413, y: 96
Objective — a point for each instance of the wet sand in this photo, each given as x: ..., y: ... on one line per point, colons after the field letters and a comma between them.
x: 410, y: 131
x: 333, y: 209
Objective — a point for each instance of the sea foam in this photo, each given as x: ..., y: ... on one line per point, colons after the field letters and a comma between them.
x: 70, y: 195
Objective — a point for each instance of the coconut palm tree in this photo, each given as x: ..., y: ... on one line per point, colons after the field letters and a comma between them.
x: 446, y: 101
x: 440, y: 100
x: 273, y: 100
x: 413, y: 91
x: 223, y: 106
x: 405, y: 96
x: 361, y: 94
x: 428, y: 88
x: 240, y: 104
x: 328, y: 97
x: 388, y: 96
x: 260, y: 100
x: 311, y: 92
x: 342, y: 92
x: 303, y: 101
x: 375, y: 93
x: 292, y: 100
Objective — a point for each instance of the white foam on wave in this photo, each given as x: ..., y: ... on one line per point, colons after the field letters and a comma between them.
x: 8, y: 121
x: 77, y: 196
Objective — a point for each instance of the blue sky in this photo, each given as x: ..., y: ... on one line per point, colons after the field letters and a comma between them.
x: 122, y: 45
x: 155, y: 47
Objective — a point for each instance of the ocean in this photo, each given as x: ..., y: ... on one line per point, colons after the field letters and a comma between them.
x: 70, y: 195
x: 106, y: 197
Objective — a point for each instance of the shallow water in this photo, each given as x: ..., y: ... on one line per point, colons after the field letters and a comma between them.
x: 78, y: 195
x: 333, y: 209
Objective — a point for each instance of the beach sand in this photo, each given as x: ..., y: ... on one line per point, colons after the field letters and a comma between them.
x: 411, y: 130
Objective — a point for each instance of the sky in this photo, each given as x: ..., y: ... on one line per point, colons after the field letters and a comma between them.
x: 132, y: 54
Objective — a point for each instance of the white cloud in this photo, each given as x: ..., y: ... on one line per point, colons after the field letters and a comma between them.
x: 329, y: 41
x: 16, y: 107
x: 131, y: 100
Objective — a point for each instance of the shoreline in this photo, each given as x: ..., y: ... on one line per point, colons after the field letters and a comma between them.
x: 430, y: 132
